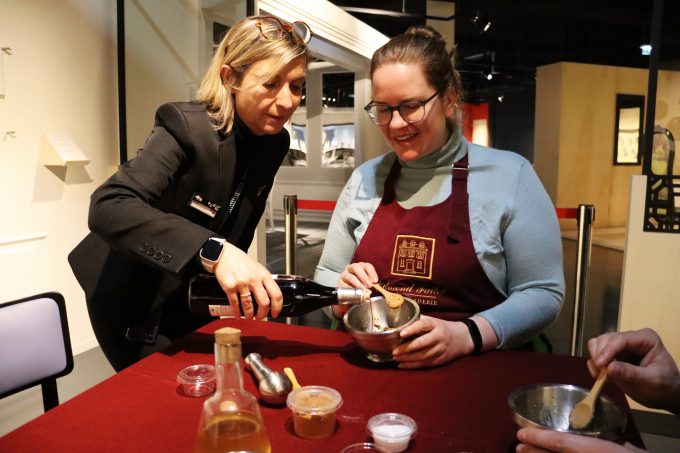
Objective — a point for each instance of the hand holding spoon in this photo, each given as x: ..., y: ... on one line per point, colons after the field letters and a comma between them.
x: 393, y: 300
x: 582, y: 413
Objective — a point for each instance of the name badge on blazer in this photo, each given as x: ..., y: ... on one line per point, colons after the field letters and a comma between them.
x: 204, y: 206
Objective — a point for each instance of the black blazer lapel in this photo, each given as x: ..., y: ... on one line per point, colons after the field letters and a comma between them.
x: 227, y: 185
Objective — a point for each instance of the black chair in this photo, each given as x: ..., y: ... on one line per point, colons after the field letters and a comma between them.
x: 35, y: 348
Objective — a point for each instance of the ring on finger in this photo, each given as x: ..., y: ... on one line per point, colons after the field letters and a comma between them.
x: 244, y: 295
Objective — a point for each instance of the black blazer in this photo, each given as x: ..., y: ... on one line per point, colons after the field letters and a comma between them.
x: 145, y: 233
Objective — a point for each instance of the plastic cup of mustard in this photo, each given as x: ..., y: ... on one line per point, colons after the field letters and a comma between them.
x: 314, y: 408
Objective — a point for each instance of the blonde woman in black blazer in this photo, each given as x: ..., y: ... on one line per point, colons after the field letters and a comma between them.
x: 191, y: 199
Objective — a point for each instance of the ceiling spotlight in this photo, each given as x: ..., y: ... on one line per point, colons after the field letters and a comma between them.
x: 500, y: 98
x: 490, y: 73
x: 481, y: 21
x: 646, y: 49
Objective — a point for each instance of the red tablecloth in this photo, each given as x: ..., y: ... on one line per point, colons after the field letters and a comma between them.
x: 458, y: 407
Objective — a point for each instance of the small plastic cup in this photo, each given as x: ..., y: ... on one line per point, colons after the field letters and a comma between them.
x: 362, y: 446
x: 197, y: 380
x: 314, y: 408
x: 391, y: 432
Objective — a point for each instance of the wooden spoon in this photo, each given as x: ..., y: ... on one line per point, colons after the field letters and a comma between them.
x: 291, y: 376
x: 393, y: 300
x: 582, y: 414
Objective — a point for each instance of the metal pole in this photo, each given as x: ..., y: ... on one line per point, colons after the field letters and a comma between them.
x: 585, y: 219
x: 290, y: 227
x: 122, y: 98
x: 290, y: 210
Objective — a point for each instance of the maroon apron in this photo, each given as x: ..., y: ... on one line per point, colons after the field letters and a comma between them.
x: 416, y: 255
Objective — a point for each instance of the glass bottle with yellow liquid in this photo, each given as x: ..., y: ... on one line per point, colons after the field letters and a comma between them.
x: 231, y: 419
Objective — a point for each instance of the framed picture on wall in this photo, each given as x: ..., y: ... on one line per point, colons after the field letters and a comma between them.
x: 628, y: 127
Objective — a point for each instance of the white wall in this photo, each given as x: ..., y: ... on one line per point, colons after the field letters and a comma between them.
x: 61, y: 77
x: 650, y: 284
x: 445, y: 27
x: 163, y: 47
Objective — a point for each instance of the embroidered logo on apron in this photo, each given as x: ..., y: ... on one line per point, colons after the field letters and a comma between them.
x: 413, y: 256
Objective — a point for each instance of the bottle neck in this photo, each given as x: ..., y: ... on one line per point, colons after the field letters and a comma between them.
x: 350, y: 296
x: 228, y: 370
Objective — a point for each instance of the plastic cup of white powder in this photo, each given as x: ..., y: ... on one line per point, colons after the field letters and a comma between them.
x: 392, y: 432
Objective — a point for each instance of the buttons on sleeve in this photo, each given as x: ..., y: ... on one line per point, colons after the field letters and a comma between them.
x: 157, y: 254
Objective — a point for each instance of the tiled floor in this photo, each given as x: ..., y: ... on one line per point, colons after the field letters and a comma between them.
x: 661, y: 433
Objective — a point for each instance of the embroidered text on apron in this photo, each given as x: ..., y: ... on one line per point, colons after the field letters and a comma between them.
x: 416, y: 255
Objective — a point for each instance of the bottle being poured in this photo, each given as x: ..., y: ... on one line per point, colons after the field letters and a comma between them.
x: 300, y: 296
x: 231, y: 419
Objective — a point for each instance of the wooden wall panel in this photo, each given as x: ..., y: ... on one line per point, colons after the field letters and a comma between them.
x: 576, y: 102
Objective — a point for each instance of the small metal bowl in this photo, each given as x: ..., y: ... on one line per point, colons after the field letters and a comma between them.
x: 378, y: 344
x: 548, y: 406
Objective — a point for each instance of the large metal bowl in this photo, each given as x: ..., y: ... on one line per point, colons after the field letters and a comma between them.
x: 378, y: 344
x: 548, y: 406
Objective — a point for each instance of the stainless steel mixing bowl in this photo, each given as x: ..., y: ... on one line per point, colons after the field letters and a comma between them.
x: 548, y: 406
x: 378, y: 343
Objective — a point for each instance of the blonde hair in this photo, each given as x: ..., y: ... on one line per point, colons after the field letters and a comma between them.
x: 242, y: 46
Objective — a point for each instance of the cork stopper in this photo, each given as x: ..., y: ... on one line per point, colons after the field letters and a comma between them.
x: 227, y: 335
x: 227, y: 345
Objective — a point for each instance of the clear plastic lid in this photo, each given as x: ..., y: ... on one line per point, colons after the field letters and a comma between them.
x: 391, y: 426
x: 314, y: 399
x: 197, y: 380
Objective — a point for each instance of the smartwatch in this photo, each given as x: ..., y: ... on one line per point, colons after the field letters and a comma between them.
x: 211, y: 253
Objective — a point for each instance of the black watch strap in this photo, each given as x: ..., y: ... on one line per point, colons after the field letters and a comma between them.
x: 474, y: 334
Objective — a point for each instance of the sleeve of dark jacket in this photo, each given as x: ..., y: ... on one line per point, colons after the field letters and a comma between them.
x: 123, y: 212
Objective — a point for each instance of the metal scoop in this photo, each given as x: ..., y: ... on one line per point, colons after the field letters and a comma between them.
x: 274, y: 386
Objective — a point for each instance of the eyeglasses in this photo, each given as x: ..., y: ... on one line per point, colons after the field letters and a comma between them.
x: 272, y: 28
x: 411, y: 111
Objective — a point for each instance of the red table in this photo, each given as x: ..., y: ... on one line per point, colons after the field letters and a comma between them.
x: 458, y: 407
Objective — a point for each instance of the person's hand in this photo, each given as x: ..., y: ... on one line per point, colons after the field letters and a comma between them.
x: 534, y: 440
x: 436, y: 342
x: 244, y: 279
x: 640, y: 365
x: 358, y: 275
x: 355, y: 275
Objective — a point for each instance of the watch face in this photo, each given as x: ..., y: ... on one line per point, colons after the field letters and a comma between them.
x: 211, y: 250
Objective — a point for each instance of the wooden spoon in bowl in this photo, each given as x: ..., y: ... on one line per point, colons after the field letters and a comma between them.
x: 582, y: 413
x: 393, y: 300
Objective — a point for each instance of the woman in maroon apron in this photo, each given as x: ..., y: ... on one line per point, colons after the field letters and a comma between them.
x: 427, y: 251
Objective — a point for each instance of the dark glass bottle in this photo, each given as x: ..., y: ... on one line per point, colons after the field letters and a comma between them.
x: 300, y: 296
